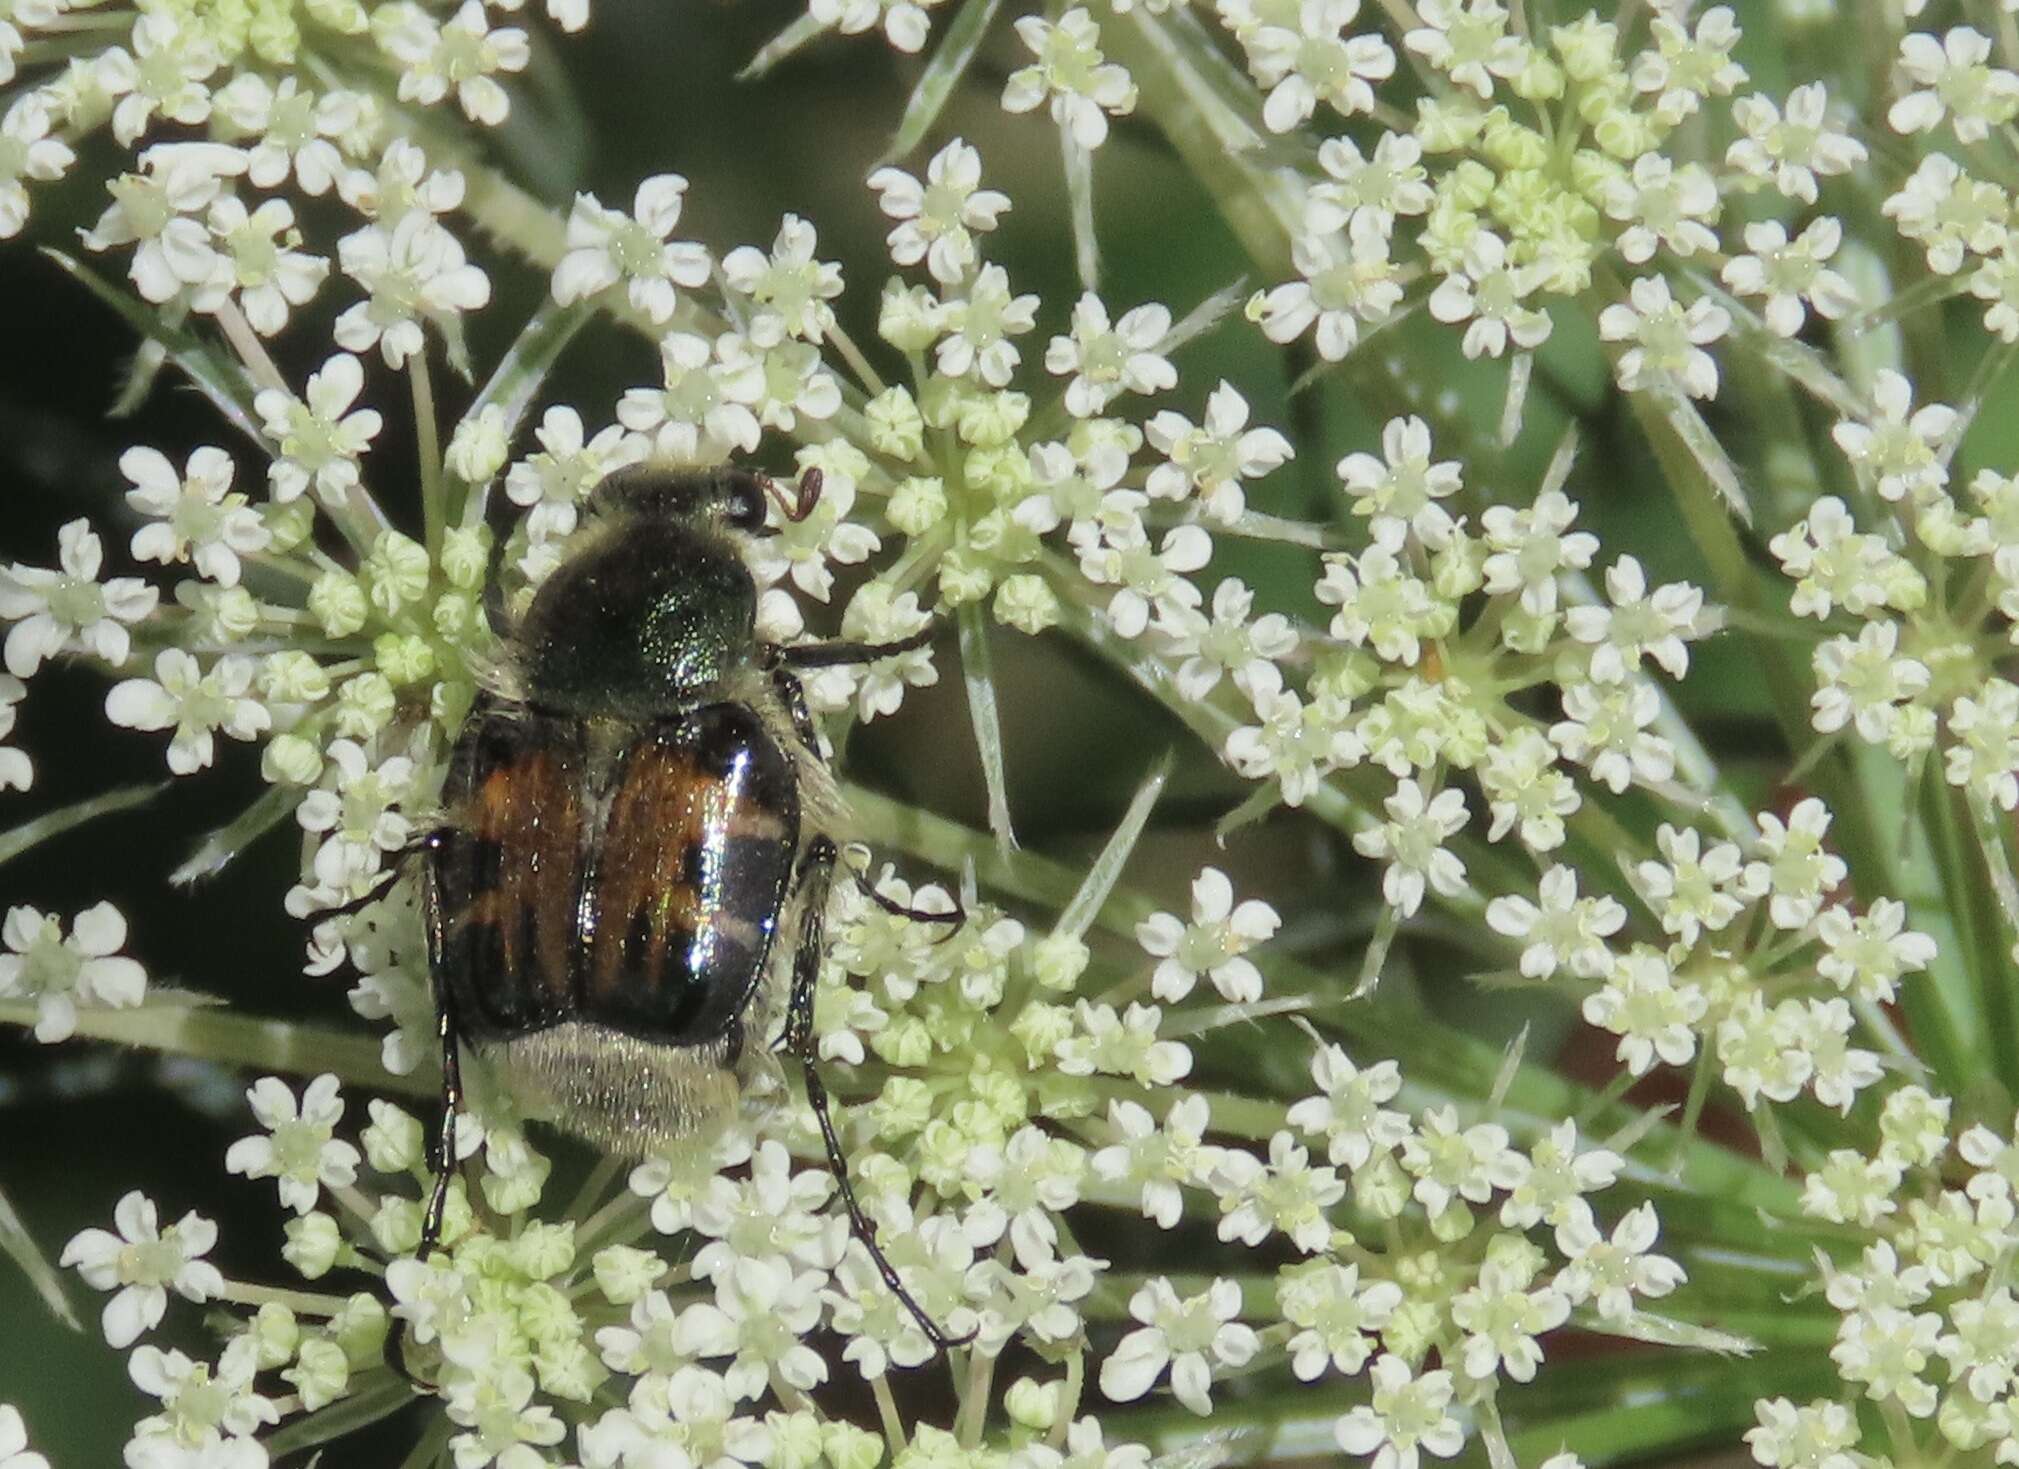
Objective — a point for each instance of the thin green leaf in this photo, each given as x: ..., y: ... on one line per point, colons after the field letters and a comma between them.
x: 800, y: 33
x: 1510, y: 1067
x: 1259, y: 802
x: 216, y: 851
x: 139, y: 379
x: 978, y: 672
x: 346, y: 1415
x: 30, y: 834
x: 1107, y: 868
x: 218, y: 377
x: 1203, y: 317
x: 1079, y: 166
x: 21, y: 1248
x: 1219, y: 1017
x: 1519, y: 372
x: 942, y: 74
x: 1662, y: 1331
x: 518, y: 377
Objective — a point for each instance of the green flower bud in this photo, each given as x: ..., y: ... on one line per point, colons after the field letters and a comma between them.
x: 338, y: 603
x: 321, y: 1373
x: 896, y: 427
x: 917, y: 505
x: 312, y: 1243
x: 624, y: 1273
x: 393, y: 1141
x: 466, y: 555
x: 396, y: 571
x: 365, y: 705
x: 274, y: 1334
x: 404, y: 658
x: 1026, y: 603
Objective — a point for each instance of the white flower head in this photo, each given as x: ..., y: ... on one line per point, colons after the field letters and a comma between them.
x: 937, y: 220
x: 605, y: 247
x: 142, y: 1263
x: 1211, y: 945
x: 69, y: 609
x: 1085, y: 89
x: 59, y: 973
x: 298, y: 1148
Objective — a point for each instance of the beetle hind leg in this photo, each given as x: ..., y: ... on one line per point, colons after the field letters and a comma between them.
x: 816, y: 868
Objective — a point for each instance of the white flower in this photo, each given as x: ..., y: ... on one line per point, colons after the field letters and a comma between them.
x: 319, y: 439
x: 1661, y: 204
x: 1794, y: 149
x: 1984, y: 751
x: 1190, y: 1337
x: 353, y: 811
x: 1294, y: 743
x: 938, y: 220
x: 1502, y: 1318
x: 17, y: 771
x: 299, y: 1149
x: 704, y: 410
x: 26, y: 152
x: 979, y: 326
x: 1398, y: 493
x: 1412, y: 841
x: 464, y: 54
x: 164, y: 73
x: 605, y: 247
x: 1865, y: 681
x: 1467, y: 40
x: 1523, y: 785
x: 14, y: 1442
x: 256, y: 259
x: 1213, y: 459
x: 1692, y: 891
x: 1793, y: 865
x: 1334, y: 1311
x: 1348, y: 279
x: 1106, y: 360
x: 1123, y: 1045
x: 142, y: 1263
x: 1956, y: 82
x: 1530, y: 546
x: 1231, y: 641
x: 1686, y: 67
x: 1651, y: 1013
x: 207, y: 1418
x: 1490, y: 292
x: 904, y: 22
x: 287, y: 129
x: 1788, y: 274
x: 1389, y: 183
x: 762, y: 1312
x: 1147, y: 576
x: 553, y: 482
x: 1285, y: 1195
x: 1449, y: 1162
x: 60, y: 973
x: 194, y: 517
x: 1158, y: 1158
x: 1611, y: 1272
x: 1552, y: 1177
x: 1639, y: 624
x: 401, y: 185
x: 1083, y: 87
x: 1903, y: 448
x: 194, y: 703
x: 1819, y: 1436
x: 1307, y: 59
x: 802, y: 549
x: 1606, y: 726
x: 1867, y: 954
x: 1211, y: 944
x: 1836, y: 565
x: 415, y: 272
x: 788, y: 283
x: 877, y: 614
x: 1406, y: 1417
x: 70, y: 610
x: 1347, y: 1111
x: 1564, y: 931
x: 1668, y: 340
x: 155, y: 210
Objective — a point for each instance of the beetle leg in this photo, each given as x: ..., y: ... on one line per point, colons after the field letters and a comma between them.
x: 448, y: 1032
x: 816, y: 868
x: 831, y: 655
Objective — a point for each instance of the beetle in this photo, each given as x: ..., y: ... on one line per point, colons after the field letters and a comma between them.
x: 628, y: 885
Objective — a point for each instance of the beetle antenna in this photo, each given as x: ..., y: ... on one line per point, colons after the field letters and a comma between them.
x: 805, y: 495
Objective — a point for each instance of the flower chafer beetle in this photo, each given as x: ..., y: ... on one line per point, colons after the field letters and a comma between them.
x: 632, y: 868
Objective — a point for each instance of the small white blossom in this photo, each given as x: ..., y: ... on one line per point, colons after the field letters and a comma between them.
x: 1562, y: 931
x: 1956, y: 82
x: 1792, y: 150
x: 194, y: 703
x: 1085, y: 89
x: 1412, y: 841
x: 1211, y: 945
x: 298, y: 1148
x: 605, y: 247
x: 1649, y: 1010
x: 59, y: 973
x: 788, y: 283
x: 1106, y: 360
x: 70, y: 610
x: 1213, y: 460
x: 1611, y: 1272
x: 319, y: 438
x: 464, y: 55
x: 142, y: 1263
x: 1668, y: 339
x: 1407, y: 1417
x: 193, y: 517
x: 1190, y: 1337
x: 1788, y: 273
x: 1902, y: 448
x: 938, y: 219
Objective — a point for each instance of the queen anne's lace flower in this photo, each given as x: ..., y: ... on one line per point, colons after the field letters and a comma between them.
x: 70, y: 610
x: 142, y: 1263
x: 1085, y: 89
x: 606, y: 247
